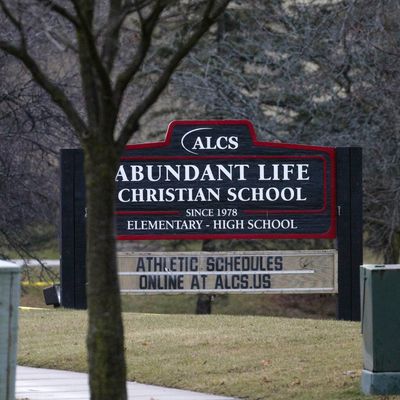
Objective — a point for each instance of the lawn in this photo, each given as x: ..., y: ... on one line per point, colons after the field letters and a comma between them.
x: 243, y: 356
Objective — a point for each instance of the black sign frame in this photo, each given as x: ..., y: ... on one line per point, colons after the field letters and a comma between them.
x: 348, y: 216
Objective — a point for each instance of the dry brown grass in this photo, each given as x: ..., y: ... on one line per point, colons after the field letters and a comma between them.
x: 247, y: 357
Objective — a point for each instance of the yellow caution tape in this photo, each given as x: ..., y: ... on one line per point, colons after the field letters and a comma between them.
x: 36, y: 284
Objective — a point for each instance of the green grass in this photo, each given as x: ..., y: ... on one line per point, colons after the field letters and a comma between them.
x: 241, y: 356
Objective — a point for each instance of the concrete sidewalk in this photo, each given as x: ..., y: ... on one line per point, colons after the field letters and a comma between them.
x: 49, y: 384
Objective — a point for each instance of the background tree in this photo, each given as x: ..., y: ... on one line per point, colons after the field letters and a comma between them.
x: 31, y: 133
x: 313, y: 72
x: 119, y: 50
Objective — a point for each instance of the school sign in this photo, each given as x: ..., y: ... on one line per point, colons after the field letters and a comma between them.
x: 215, y: 180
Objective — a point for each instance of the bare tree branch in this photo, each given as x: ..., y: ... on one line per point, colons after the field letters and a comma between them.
x: 57, y: 94
x: 95, y: 78
x: 209, y: 16
x: 147, y: 27
x: 11, y: 17
x: 115, y: 20
x: 63, y: 12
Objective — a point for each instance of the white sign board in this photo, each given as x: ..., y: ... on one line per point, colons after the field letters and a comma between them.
x: 306, y: 271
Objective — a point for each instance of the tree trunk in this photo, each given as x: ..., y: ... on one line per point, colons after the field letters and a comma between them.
x: 105, y: 339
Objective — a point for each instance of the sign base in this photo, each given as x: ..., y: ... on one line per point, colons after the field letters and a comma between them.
x: 380, y: 383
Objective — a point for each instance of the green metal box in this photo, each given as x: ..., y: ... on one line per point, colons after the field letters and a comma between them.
x: 380, y: 319
x: 9, y: 300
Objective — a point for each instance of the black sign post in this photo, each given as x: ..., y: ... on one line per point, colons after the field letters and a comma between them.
x: 215, y: 180
x: 349, y: 231
x: 73, y: 233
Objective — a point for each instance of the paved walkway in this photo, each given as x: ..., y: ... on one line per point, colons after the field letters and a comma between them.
x: 49, y: 384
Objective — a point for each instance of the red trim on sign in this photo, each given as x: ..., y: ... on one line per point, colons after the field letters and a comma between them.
x: 228, y: 156
x: 146, y: 212
x: 330, y: 151
x: 324, y: 235
x: 332, y: 230
x: 245, y: 122
x: 267, y: 212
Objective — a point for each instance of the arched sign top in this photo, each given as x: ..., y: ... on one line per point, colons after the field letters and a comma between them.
x: 216, y: 180
x: 211, y: 126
